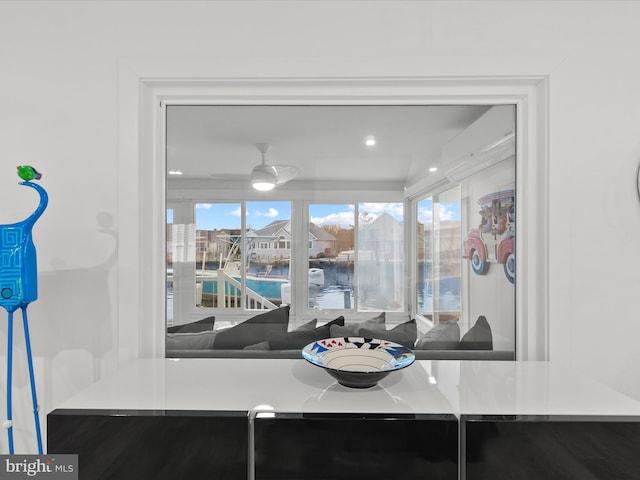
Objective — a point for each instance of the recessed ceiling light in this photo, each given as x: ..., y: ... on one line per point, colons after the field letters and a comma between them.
x: 370, y: 141
x: 175, y: 172
x: 433, y: 169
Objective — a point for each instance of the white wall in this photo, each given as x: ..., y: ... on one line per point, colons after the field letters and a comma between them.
x: 59, y: 110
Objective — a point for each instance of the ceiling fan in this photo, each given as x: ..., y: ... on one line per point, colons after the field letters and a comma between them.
x: 265, y: 177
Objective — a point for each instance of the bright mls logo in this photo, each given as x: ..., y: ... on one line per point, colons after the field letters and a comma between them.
x: 52, y: 467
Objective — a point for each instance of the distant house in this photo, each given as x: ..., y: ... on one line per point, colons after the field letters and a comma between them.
x: 381, y: 239
x: 321, y: 242
x: 273, y: 242
x: 270, y: 243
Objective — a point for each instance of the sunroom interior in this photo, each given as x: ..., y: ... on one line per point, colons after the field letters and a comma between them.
x: 394, y: 222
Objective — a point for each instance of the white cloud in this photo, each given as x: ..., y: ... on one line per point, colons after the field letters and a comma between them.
x: 396, y: 210
x: 373, y: 207
x: 446, y: 215
x: 425, y: 215
x: 271, y: 213
x: 203, y: 206
x: 236, y: 212
x: 342, y: 219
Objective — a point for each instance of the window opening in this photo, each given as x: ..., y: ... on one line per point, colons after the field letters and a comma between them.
x: 218, y: 255
x: 268, y: 257
x: 380, y: 256
x: 439, y: 275
x: 331, y: 256
x: 238, y: 256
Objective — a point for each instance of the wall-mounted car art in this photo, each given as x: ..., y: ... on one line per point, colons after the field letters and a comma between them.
x: 494, y: 241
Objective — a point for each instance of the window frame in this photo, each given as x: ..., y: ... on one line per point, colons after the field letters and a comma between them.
x: 146, y: 87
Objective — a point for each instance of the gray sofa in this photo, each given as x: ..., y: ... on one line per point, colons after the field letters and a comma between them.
x: 267, y: 335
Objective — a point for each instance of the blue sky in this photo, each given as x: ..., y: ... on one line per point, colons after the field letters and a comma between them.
x: 449, y: 211
x: 211, y: 216
x: 259, y: 214
x: 335, y: 214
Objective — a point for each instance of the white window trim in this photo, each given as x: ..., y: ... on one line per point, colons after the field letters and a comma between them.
x: 146, y: 86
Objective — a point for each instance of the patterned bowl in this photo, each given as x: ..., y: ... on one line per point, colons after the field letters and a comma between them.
x: 358, y: 362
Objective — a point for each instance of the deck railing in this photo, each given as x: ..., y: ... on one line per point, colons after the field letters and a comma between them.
x: 229, y: 293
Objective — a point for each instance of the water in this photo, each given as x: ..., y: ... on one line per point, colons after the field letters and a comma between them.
x: 337, y: 292
x: 449, y: 287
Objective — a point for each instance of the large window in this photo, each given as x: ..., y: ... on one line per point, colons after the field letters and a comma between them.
x: 439, y: 275
x: 358, y: 250
x: 241, y: 268
x: 416, y: 223
x: 332, y: 255
x: 355, y: 256
x: 380, y: 257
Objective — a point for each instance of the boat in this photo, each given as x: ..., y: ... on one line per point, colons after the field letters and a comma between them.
x: 316, y: 277
x: 263, y: 283
x: 349, y: 256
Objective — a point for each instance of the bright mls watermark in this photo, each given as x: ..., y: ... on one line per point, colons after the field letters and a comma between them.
x: 52, y: 467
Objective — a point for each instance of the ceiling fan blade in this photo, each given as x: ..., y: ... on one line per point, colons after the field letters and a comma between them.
x: 285, y: 173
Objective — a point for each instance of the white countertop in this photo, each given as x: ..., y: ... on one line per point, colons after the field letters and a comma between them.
x: 526, y: 388
x: 248, y: 384
x: 290, y: 386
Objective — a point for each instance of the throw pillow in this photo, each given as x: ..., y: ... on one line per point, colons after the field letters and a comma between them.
x: 300, y: 339
x: 478, y: 337
x: 405, y: 334
x: 193, y: 327
x: 254, y: 330
x: 353, y: 330
x: 442, y: 336
x: 191, y: 340
x: 305, y: 327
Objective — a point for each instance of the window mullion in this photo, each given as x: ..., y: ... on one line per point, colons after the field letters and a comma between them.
x: 356, y: 252
x: 243, y: 254
x: 435, y: 259
x: 299, y: 278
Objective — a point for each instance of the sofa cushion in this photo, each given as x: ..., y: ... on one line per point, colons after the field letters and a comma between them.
x: 478, y: 337
x: 254, y: 330
x: 193, y: 327
x: 405, y: 334
x: 442, y: 336
x: 353, y: 330
x: 191, y: 340
x: 258, y: 346
x: 300, y: 339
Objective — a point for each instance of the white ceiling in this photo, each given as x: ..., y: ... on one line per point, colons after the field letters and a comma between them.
x: 325, y: 142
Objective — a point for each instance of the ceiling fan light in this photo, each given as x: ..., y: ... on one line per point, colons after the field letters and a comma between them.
x: 263, y: 186
x: 263, y: 177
